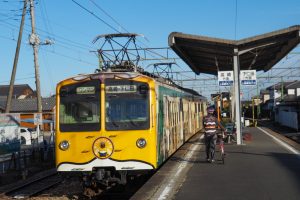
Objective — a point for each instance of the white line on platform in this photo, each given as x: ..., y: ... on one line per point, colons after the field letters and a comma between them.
x: 171, y: 183
x: 285, y: 145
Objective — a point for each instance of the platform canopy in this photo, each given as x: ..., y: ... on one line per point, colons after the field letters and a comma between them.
x: 210, y: 55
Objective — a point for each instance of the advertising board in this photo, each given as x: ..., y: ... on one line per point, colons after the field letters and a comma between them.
x: 9, y: 133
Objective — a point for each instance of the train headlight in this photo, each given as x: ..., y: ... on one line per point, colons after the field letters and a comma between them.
x: 64, y: 145
x: 141, y: 143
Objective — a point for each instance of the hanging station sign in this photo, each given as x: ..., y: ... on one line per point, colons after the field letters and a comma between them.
x: 225, y: 78
x: 248, y: 77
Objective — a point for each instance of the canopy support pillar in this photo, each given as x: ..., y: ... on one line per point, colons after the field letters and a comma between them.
x: 236, y: 69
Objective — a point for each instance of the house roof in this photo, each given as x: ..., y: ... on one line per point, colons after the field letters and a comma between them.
x: 210, y: 55
x: 278, y: 85
x: 18, y: 89
x: 264, y: 92
x: 29, y: 104
x: 290, y: 100
x: 2, y: 103
x: 293, y: 85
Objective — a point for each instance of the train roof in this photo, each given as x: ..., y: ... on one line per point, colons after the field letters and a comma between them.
x: 132, y: 74
x: 170, y: 82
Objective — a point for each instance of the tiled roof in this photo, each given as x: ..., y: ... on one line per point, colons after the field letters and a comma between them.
x: 2, y: 103
x: 29, y: 105
x: 18, y: 89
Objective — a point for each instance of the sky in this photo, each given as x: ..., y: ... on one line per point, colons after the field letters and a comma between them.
x: 73, y: 24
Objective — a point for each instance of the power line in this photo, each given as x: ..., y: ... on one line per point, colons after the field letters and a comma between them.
x: 151, y: 51
x: 87, y: 10
x: 63, y: 41
x: 235, y: 20
x: 69, y: 57
x: 44, y: 14
x: 18, y: 79
x: 55, y: 52
x: 93, y: 2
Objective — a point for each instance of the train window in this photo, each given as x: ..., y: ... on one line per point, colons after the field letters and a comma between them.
x: 127, y: 105
x: 79, y: 108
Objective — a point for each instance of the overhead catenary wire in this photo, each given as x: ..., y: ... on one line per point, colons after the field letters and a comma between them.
x: 69, y: 46
x: 109, y: 25
x: 87, y: 10
x: 107, y: 14
x: 235, y: 19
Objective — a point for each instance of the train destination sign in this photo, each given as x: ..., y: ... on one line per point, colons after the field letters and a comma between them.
x: 120, y: 88
x: 225, y: 78
x: 85, y: 90
x: 248, y: 77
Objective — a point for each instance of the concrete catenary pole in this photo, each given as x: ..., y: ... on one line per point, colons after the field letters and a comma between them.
x: 35, y: 42
x: 14, y: 70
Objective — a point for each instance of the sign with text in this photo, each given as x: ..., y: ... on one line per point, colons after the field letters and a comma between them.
x: 225, y: 78
x: 248, y: 77
x: 38, y: 118
x: 120, y: 88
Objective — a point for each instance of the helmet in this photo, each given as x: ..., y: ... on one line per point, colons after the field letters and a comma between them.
x: 210, y: 110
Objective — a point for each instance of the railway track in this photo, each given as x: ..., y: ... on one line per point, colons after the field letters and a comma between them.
x: 34, y: 186
x: 123, y: 192
x: 285, y: 131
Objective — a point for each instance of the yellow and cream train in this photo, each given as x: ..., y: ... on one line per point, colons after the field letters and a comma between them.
x: 114, y: 124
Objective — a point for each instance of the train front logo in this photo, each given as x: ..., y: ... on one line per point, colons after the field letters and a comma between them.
x: 103, y: 148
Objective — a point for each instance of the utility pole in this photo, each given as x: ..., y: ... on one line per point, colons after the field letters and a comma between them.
x: 35, y: 42
x: 13, y: 73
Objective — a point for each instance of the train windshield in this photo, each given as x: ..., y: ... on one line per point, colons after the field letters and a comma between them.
x: 127, y: 105
x: 79, y: 107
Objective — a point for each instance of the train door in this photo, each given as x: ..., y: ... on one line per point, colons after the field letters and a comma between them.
x: 182, y: 138
x: 166, y: 127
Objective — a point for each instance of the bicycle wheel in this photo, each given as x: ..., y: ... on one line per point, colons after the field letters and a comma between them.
x: 223, y: 158
x: 222, y: 152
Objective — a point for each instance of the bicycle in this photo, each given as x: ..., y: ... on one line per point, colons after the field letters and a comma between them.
x: 230, y: 133
x: 221, y: 145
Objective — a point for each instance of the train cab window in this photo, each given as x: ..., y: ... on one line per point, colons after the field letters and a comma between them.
x: 79, y: 107
x: 127, y: 105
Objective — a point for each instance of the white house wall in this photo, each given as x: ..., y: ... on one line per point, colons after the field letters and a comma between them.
x: 266, y: 97
x: 288, y: 119
x: 277, y: 94
x: 291, y: 91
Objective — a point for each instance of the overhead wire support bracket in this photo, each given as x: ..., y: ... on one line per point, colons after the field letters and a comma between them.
x: 163, y: 70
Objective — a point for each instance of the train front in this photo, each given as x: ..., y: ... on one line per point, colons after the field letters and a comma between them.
x: 106, y: 126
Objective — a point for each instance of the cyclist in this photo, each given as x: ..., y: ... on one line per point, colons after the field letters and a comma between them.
x: 210, y: 124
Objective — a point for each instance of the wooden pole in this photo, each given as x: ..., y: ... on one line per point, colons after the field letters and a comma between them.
x: 14, y: 70
x: 34, y: 41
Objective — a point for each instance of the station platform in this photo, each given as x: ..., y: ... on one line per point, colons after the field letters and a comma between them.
x: 261, y: 168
